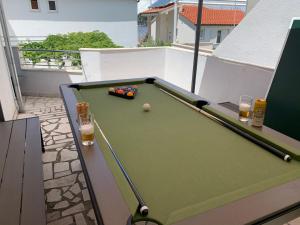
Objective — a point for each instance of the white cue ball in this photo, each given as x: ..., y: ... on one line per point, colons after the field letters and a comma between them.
x: 146, y: 107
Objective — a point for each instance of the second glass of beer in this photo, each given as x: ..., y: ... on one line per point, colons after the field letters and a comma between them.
x: 86, y: 128
x: 245, y: 108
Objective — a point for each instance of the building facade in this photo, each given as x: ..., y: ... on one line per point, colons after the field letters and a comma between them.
x: 216, y: 23
x: 36, y: 19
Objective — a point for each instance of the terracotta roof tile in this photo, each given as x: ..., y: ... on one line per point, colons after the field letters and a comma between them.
x: 209, y: 16
x: 212, y: 16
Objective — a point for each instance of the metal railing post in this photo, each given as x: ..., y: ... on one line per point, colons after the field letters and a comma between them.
x: 197, y: 40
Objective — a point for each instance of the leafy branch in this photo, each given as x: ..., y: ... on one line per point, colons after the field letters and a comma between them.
x: 71, y: 41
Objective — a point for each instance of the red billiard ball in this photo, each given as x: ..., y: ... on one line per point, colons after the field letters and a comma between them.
x: 120, y: 92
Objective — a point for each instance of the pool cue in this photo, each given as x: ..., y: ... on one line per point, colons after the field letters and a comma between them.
x: 255, y: 140
x: 143, y: 209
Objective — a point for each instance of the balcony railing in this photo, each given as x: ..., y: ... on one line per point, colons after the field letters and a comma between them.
x: 50, y: 59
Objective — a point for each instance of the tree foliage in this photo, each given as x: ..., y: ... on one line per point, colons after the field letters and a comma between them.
x: 69, y: 42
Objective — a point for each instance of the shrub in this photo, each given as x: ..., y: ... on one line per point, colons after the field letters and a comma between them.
x: 151, y: 43
x: 71, y: 41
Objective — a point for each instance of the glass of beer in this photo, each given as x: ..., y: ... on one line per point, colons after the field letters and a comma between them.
x: 82, y: 110
x: 245, y: 108
x: 86, y: 128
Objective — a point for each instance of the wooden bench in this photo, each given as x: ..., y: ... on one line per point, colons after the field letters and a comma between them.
x: 22, y: 200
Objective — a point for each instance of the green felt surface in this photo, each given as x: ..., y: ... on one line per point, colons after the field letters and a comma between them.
x: 182, y: 162
x: 284, y: 147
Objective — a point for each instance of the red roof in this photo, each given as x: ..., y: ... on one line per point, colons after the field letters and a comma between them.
x: 212, y: 16
x: 209, y: 16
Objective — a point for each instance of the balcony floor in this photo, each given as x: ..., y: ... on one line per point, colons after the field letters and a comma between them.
x: 67, y: 199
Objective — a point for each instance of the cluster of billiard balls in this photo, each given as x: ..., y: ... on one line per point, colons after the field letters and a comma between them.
x: 130, y: 92
x: 121, y: 91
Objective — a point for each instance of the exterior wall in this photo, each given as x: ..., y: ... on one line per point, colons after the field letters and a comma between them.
x: 172, y: 64
x: 7, y: 97
x: 225, y: 80
x: 259, y: 38
x: 211, y: 33
x: 164, y: 27
x: 153, y: 29
x: 42, y: 82
x: 179, y: 67
x: 170, y: 26
x: 132, y: 63
x: 117, y: 18
x: 218, y: 80
x: 186, y: 32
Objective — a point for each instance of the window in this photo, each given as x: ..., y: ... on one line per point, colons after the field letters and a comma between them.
x: 52, y: 5
x: 34, y: 4
x: 219, y: 36
x: 202, y: 34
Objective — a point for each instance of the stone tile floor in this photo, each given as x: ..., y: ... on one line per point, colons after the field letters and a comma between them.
x: 67, y: 199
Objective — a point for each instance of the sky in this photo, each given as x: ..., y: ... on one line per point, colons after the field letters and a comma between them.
x: 144, y: 4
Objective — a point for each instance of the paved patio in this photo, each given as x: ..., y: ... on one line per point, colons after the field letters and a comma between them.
x: 67, y: 198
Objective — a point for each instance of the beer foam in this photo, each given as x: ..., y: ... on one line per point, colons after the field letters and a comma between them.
x: 87, y: 129
x: 245, y: 107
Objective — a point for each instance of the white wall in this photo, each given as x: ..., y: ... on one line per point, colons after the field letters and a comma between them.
x: 172, y: 64
x: 108, y: 64
x: 117, y: 18
x: 186, y: 32
x: 169, y: 63
x: 41, y: 82
x: 162, y: 27
x: 218, y: 80
x: 179, y: 67
x: 153, y: 30
x: 211, y: 33
x: 225, y: 81
x: 7, y: 98
x: 259, y: 38
x: 170, y: 26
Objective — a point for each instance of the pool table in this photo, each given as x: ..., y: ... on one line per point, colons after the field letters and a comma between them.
x: 187, y: 166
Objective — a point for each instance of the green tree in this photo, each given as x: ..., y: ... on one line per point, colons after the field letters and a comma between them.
x: 71, y: 41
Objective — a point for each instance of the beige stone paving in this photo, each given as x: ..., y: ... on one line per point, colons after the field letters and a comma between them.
x: 66, y: 197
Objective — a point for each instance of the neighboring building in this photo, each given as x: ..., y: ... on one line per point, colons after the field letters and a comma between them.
x: 36, y: 19
x: 216, y: 23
